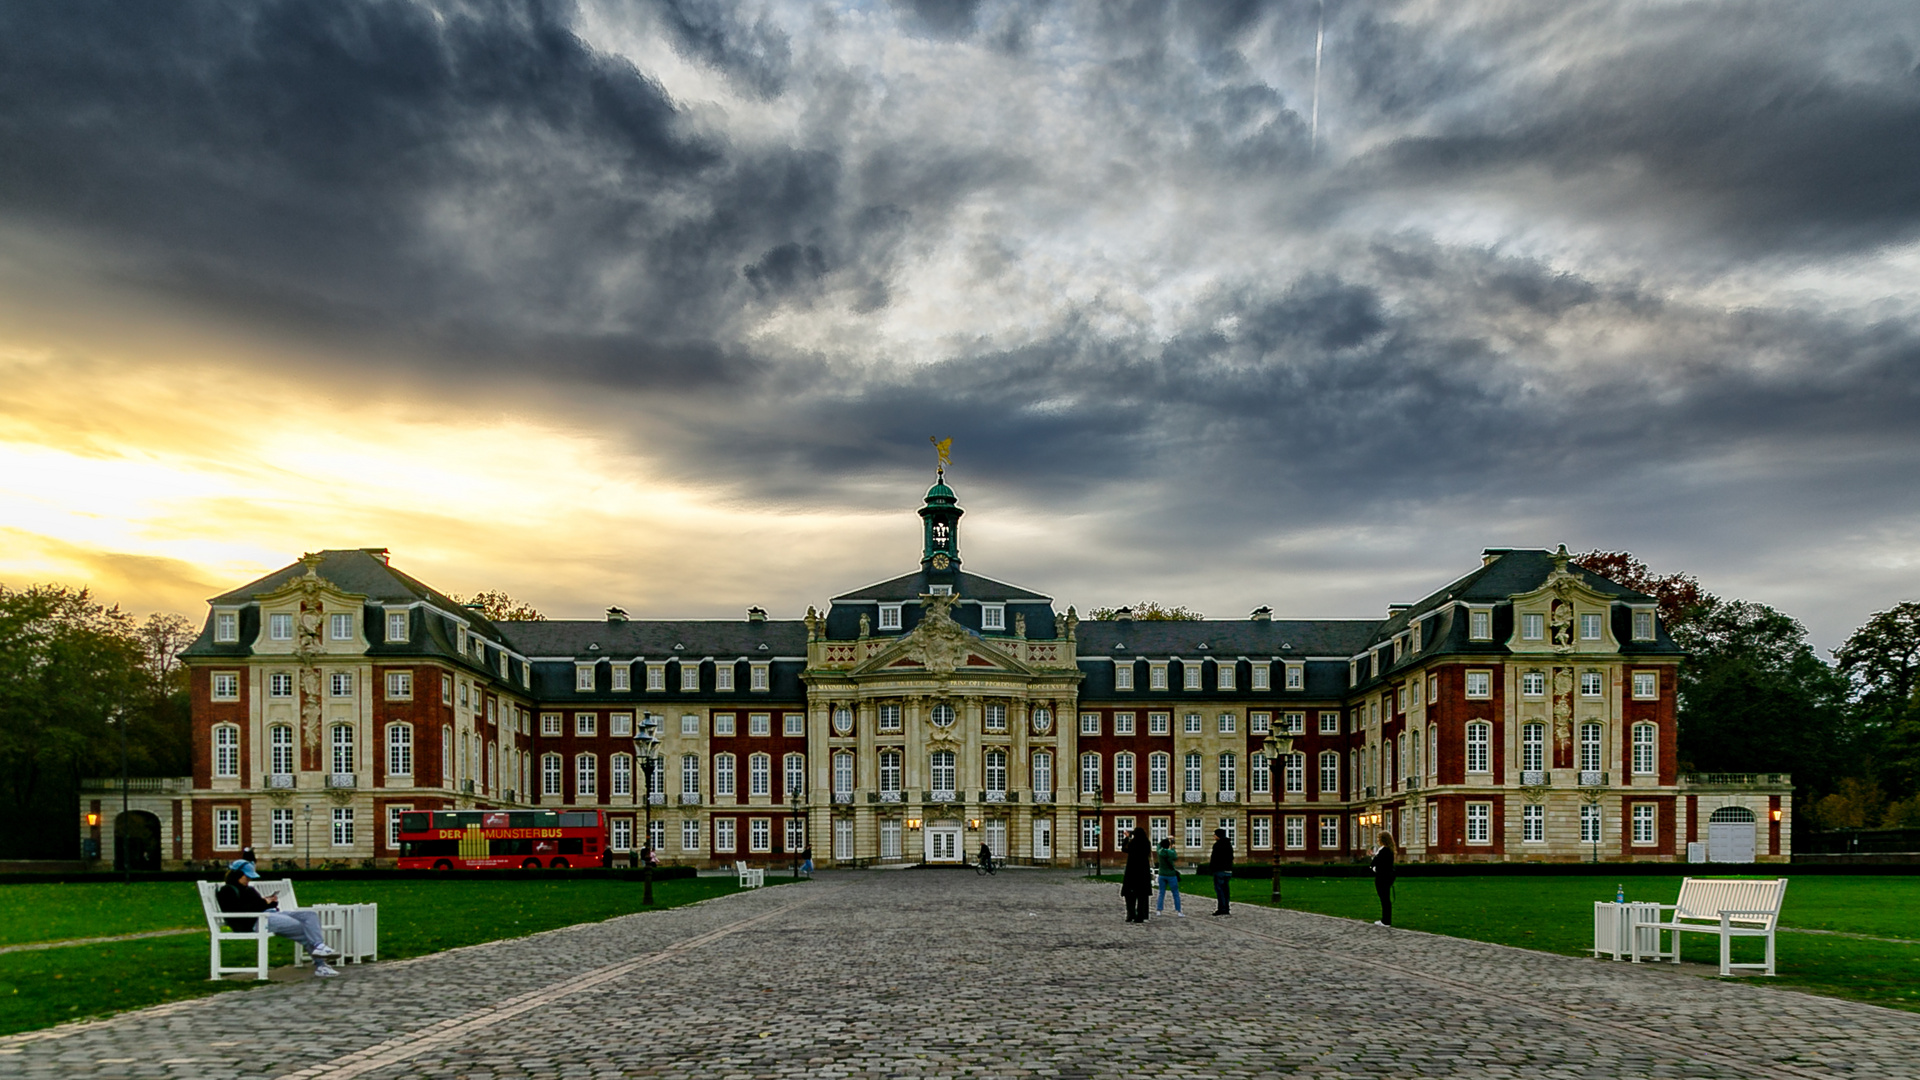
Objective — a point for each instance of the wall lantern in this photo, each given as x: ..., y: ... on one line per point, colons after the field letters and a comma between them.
x: 93, y: 820
x: 913, y: 823
x: 1776, y: 815
x: 974, y: 823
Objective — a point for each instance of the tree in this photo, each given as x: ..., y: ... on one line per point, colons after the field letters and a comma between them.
x: 1146, y: 611
x: 499, y: 607
x: 1680, y: 595
x: 1881, y: 662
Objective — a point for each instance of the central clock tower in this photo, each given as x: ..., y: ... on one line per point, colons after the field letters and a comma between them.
x: 940, y: 537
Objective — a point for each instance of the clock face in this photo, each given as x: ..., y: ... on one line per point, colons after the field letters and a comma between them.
x: 940, y: 562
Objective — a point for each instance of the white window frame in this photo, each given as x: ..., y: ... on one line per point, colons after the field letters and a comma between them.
x: 1193, y: 724
x: 656, y: 676
x: 943, y: 770
x: 891, y: 765
x: 759, y: 725
x: 550, y: 723
x: 226, y: 828
x: 1479, y: 823
x: 399, y: 749
x: 1533, y: 824
x: 689, y: 676
x: 1296, y: 676
x: 760, y: 678
x: 759, y: 835
x: 620, y: 725
x: 1533, y: 684
x: 1089, y: 723
x: 889, y: 617
x: 1123, y: 773
x: 1591, y: 621
x: 993, y: 616
x: 1643, y: 626
x: 1156, y: 675
x: 1593, y: 824
x: 1329, y: 721
x: 586, y: 724
x: 280, y: 827
x: 1089, y: 772
x: 1646, y: 686
x: 689, y: 724
x: 723, y: 675
x: 583, y: 678
x: 794, y: 723
x: 226, y: 626
x: 1533, y: 626
x: 620, y: 833
x: 279, y: 684
x: 1646, y: 819
x: 552, y: 774
x: 725, y: 780
x: 726, y: 838
x: 1593, y: 684
x: 1228, y: 723
x: 1479, y: 738
x: 1479, y: 624
x: 1159, y: 772
x: 1226, y: 674
x: 1192, y: 772
x: 1294, y: 833
x: 1294, y: 771
x: 690, y: 834
x: 343, y: 826
x: 1261, y: 832
x: 1262, y: 676
x: 622, y: 678
x: 225, y: 686
x: 397, y: 626
x: 340, y: 626
x: 226, y: 750
x: 759, y: 774
x: 1646, y: 749
x: 1330, y: 772
x: 280, y: 626
x: 620, y: 775
x: 1592, y: 746
x: 1089, y: 834
x: 399, y: 686
x: 690, y: 775
x: 723, y: 724
x: 1190, y: 674
x: 1479, y: 685
x: 887, y: 718
x: 280, y: 754
x: 1159, y: 723
x: 1533, y: 746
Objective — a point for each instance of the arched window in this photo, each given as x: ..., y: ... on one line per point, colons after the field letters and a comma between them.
x: 723, y: 775
x: 399, y: 749
x: 996, y: 769
x: 1123, y: 773
x: 795, y: 778
x: 890, y: 773
x: 1229, y: 773
x: 493, y: 769
x: 944, y: 773
x: 1329, y: 772
x: 280, y: 750
x: 1295, y: 765
x: 620, y: 773
x: 446, y: 756
x: 586, y: 775
x: 1479, y: 747
x: 759, y: 774
x: 843, y: 775
x: 1731, y: 815
x: 1159, y: 768
x: 550, y: 774
x: 690, y: 775
x: 226, y: 750
x: 1533, y: 747
x: 1043, y: 774
x: 1646, y: 742
x: 1089, y: 773
x: 1193, y: 773
x: 1590, y: 748
x: 342, y: 749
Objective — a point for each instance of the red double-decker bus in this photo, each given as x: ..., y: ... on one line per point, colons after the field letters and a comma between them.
x: 502, y: 839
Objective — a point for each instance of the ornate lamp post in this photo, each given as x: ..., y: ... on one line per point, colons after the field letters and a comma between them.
x: 646, y: 751
x: 1099, y: 829
x: 1277, y: 746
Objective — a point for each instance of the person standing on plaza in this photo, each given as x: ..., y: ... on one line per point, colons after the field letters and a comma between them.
x: 1382, y: 866
x: 1220, y: 865
x: 806, y: 860
x: 1169, y: 877
x: 1137, y: 884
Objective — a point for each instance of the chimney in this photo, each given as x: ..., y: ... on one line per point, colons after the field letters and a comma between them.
x: 379, y: 553
x: 756, y: 614
x: 1489, y: 556
x: 1262, y: 614
x: 616, y: 614
x: 1124, y: 614
x: 1396, y: 609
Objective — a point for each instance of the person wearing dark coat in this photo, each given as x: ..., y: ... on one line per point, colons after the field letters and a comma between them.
x: 1220, y: 865
x: 1137, y: 884
x: 1382, y: 867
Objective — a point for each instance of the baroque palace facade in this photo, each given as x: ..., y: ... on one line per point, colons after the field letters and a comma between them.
x: 1523, y: 712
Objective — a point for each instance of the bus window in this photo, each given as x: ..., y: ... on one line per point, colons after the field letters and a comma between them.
x: 570, y: 845
x: 510, y: 847
x: 428, y: 849
x: 413, y: 822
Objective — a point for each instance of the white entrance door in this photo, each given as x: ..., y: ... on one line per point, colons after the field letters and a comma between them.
x: 1043, y: 839
x: 943, y: 843
x: 1731, y: 842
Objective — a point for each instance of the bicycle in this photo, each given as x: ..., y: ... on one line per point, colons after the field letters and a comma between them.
x: 990, y: 866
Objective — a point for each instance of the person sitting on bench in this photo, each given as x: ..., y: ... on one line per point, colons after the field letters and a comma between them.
x: 302, y: 926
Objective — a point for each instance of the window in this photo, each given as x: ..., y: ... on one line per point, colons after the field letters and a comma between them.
x: 343, y: 826
x: 586, y: 723
x: 1296, y: 676
x: 1533, y: 627
x: 226, y: 626
x: 1259, y: 723
x: 1262, y: 676
x: 1645, y: 741
x: 1228, y: 723
x: 280, y: 750
x: 888, y: 718
x: 340, y: 627
x: 226, y: 750
x: 1122, y: 828
x: 943, y: 770
x: 586, y: 775
x: 281, y: 835
x: 342, y: 742
x: 994, y: 718
x: 550, y: 723
x: 940, y: 590
x: 341, y: 684
x: 1257, y: 776
x: 1089, y: 773
x: 1193, y: 773
x: 1479, y: 625
x: 723, y: 835
x: 1589, y: 747
x: 1190, y: 674
x: 1589, y: 627
x: 583, y: 677
x: 1293, y: 723
x: 620, y: 774
x: 1413, y: 694
x: 1330, y: 772
x: 620, y: 724
x: 1225, y: 674
x: 1296, y: 832
x: 723, y: 723
x: 399, y: 686
x: 723, y: 775
x: 796, y: 723
x: 1229, y: 773
x: 757, y: 678
x: 1043, y: 773
x: 1156, y: 675
x: 396, y: 626
x: 723, y: 677
x: 1646, y: 686
x: 620, y: 834
x: 1296, y: 771
x: 1192, y: 828
x: 1089, y: 723
x: 280, y: 627
x: 796, y: 834
x: 1590, y: 823
x: 550, y: 774
x: 1533, y: 684
x: 759, y: 834
x: 1479, y: 684
x: 760, y: 725
x: 690, y: 835
x: 1533, y: 823
x: 1158, y: 767
x: 1590, y: 684
x: 226, y: 828
x: 689, y: 724
x: 996, y: 769
x: 794, y: 778
x: 1123, y: 773
x: 1330, y: 722
x: 1123, y: 674
x: 690, y: 775
x: 890, y: 771
x: 941, y: 715
x: 622, y: 677
x: 1329, y: 832
x: 1193, y: 723
x: 1123, y: 723
x: 1159, y: 723
x: 463, y: 693
x: 1089, y: 834
x: 889, y: 617
x: 1479, y: 735
x: 400, y: 750
x: 280, y: 684
x: 1643, y: 626
x: 1643, y: 819
x: 657, y: 676
x: 1262, y: 833
x: 1230, y: 827
x: 1479, y: 823
x: 1533, y: 747
x: 993, y: 616
x: 690, y: 676
x: 759, y: 774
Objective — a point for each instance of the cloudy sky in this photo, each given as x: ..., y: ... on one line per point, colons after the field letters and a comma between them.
x: 658, y: 303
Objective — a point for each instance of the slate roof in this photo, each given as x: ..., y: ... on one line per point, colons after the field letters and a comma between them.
x: 969, y: 586
x: 1226, y: 638
x: 656, y: 638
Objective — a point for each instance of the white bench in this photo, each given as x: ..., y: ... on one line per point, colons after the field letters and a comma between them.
x: 749, y: 878
x: 351, y: 930
x: 217, y: 929
x: 1727, y: 907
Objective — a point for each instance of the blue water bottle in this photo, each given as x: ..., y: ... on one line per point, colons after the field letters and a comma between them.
x: 1619, y: 894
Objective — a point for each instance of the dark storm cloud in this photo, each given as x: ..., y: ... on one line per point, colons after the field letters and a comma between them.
x: 758, y: 54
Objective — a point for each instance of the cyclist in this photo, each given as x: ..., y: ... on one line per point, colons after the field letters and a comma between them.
x: 986, y: 857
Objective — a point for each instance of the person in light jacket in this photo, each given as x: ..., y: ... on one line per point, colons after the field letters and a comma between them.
x: 1220, y: 865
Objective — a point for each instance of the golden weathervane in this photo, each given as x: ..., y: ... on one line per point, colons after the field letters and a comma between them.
x: 944, y: 448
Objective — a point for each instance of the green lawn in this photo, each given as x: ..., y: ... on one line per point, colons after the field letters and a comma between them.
x: 49, y: 986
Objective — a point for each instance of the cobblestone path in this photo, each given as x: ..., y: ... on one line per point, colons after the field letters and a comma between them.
x: 944, y: 974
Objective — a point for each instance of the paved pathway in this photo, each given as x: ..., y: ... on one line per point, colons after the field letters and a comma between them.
x: 944, y: 974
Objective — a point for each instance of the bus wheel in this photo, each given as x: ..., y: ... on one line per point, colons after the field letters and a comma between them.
x: 530, y: 864
x: 558, y: 864
x: 443, y: 864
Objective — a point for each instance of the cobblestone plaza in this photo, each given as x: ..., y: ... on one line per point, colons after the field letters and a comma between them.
x: 942, y: 973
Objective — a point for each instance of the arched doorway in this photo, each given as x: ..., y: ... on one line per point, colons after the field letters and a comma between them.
x: 1730, y: 835
x: 136, y: 841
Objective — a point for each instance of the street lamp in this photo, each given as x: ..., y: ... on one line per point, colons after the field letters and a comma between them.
x: 646, y: 751
x: 1099, y: 828
x: 306, y: 815
x: 798, y: 809
x: 1277, y: 746
x: 120, y: 828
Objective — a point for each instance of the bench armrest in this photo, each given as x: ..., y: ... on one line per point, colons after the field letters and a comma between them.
x: 1753, y: 911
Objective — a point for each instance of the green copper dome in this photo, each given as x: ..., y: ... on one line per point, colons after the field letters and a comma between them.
x: 940, y: 491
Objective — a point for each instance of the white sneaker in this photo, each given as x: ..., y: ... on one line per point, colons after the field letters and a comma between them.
x: 323, y: 951
x: 1179, y: 914
x: 1377, y: 922
x: 324, y: 971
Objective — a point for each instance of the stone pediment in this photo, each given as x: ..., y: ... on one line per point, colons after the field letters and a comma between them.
x: 1559, y: 601
x: 941, y: 646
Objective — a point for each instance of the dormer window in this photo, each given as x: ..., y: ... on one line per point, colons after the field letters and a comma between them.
x: 993, y: 616
x: 396, y: 626
x: 1190, y: 672
x: 460, y: 639
x: 340, y: 626
x: 1226, y: 675
x: 940, y: 590
x: 889, y: 616
x: 226, y: 626
x: 583, y: 677
x: 723, y: 676
x: 690, y: 676
x: 1296, y: 676
x: 1480, y: 624
x: 1157, y: 675
x: 280, y: 627
x: 1123, y: 674
x: 1533, y: 627
x: 657, y: 676
x: 1590, y: 627
x: 622, y: 677
x: 1643, y: 626
x: 1415, y: 637
x: 1262, y: 675
x: 760, y: 680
